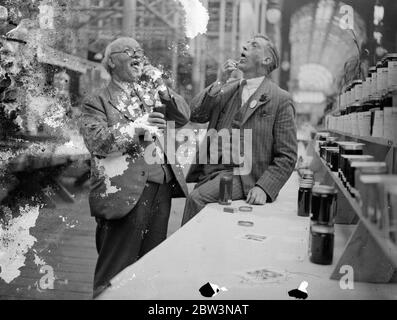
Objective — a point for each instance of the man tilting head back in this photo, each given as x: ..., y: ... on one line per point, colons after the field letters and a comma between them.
x: 252, y: 103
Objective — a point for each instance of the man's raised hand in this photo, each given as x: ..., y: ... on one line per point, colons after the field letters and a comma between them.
x: 227, y: 69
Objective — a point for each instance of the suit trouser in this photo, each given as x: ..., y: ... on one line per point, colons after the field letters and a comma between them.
x: 208, y: 192
x: 123, y: 241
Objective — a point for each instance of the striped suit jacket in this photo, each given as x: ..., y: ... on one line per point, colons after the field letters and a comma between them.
x: 271, y: 116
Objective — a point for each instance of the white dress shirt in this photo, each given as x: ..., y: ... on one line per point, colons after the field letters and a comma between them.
x: 249, y: 89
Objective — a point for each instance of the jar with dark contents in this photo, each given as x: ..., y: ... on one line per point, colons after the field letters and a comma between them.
x: 348, y: 172
x: 333, y: 159
x: 352, y: 96
x: 345, y: 165
x: 369, y: 200
x: 322, y: 244
x: 321, y: 139
x: 358, y: 90
x: 368, y: 167
x: 373, y: 89
x: 304, y: 197
x: 328, y: 153
x: 226, y: 189
x: 329, y: 142
x: 391, y: 61
x: 323, y: 205
x: 348, y: 148
x: 365, y: 168
x: 322, y: 136
x: 392, y: 213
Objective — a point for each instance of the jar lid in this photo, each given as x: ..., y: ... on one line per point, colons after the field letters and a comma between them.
x: 323, y: 134
x: 370, y: 167
x: 306, y: 184
x: 357, y: 156
x: 308, y: 176
x: 345, y: 142
x: 391, y: 56
x: 330, y: 148
x: 364, y: 158
x: 355, y: 146
x: 322, y: 229
x: 332, y: 138
x: 323, y: 189
x: 379, y: 164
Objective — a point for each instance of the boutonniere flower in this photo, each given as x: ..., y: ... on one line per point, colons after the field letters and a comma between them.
x: 263, y: 98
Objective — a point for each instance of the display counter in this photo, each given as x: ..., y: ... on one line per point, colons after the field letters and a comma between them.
x: 263, y: 261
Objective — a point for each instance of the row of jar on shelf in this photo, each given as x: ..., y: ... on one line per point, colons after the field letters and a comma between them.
x: 376, y: 122
x: 319, y: 203
x: 366, y: 180
x: 380, y: 82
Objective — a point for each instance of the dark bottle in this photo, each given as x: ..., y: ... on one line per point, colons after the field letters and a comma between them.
x: 334, y: 158
x: 304, y: 197
x: 226, y: 189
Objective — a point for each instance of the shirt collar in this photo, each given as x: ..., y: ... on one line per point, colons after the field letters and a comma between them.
x: 254, y: 82
x: 125, y: 86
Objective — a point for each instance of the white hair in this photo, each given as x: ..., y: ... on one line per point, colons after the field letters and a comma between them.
x: 116, y: 45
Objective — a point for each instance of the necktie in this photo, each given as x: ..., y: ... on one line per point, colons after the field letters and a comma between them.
x: 239, y: 115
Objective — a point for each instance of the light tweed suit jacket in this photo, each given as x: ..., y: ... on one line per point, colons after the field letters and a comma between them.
x: 113, y: 196
x: 272, y: 120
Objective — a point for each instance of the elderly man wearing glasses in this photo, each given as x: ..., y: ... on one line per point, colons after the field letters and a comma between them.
x: 130, y: 197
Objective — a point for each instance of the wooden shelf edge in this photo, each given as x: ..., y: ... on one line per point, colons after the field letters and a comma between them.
x: 389, y: 249
x: 354, y: 205
x: 374, y: 140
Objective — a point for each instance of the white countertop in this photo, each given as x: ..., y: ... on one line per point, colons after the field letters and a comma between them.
x: 209, y: 249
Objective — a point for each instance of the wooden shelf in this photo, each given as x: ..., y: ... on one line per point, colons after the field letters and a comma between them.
x: 347, y: 207
x: 372, y: 255
x: 374, y: 140
x: 341, y: 188
x: 384, y: 243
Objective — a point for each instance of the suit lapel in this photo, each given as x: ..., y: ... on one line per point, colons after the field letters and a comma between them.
x: 260, y: 97
x: 114, y: 92
x: 227, y: 93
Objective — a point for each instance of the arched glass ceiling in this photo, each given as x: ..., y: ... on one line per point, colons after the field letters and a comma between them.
x: 319, y: 47
x: 314, y: 77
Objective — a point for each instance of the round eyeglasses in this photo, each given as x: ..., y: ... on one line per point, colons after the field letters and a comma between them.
x: 132, y: 53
